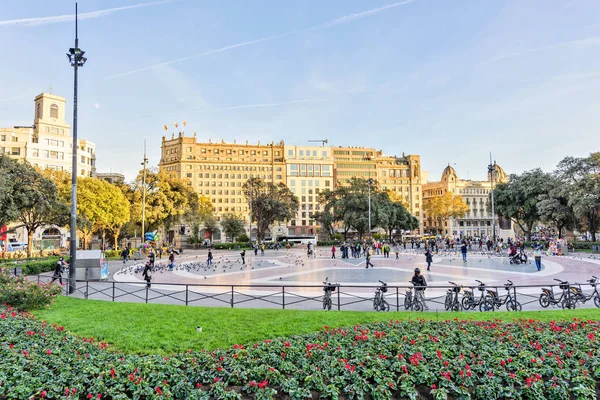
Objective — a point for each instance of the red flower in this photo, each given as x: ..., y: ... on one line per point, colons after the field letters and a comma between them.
x: 112, y: 373
x: 131, y: 377
x: 198, y: 385
x: 89, y: 396
x: 439, y: 354
x: 490, y: 374
x: 591, y: 336
x: 48, y: 351
x: 216, y: 379
x: 219, y: 369
x: 43, y: 394
x: 159, y: 391
x: 25, y: 353
x: 252, y: 383
x: 99, y: 395
x: 433, y: 386
x: 262, y: 385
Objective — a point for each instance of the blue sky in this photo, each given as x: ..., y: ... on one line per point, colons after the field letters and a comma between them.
x: 449, y: 80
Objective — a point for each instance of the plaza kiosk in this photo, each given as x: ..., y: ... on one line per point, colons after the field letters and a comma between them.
x: 91, y: 265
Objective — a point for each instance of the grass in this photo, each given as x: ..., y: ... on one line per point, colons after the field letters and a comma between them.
x: 166, y: 329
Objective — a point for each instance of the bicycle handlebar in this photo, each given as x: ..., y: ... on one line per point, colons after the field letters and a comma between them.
x: 452, y: 283
x: 383, y: 283
x: 511, y: 282
x: 476, y: 280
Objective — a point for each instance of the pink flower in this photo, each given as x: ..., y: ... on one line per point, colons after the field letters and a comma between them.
x: 48, y: 351
x: 43, y: 394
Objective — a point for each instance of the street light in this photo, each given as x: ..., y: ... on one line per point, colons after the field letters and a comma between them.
x: 370, y: 182
x: 492, y: 172
x: 76, y: 59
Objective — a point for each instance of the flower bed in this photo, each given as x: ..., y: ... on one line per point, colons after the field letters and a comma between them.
x: 418, y: 359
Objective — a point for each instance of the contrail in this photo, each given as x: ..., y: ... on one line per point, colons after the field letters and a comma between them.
x: 14, y: 97
x: 268, y: 104
x: 329, y: 24
x: 71, y: 17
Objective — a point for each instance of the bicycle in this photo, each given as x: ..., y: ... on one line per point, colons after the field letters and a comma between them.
x: 493, y: 301
x: 329, y: 288
x: 451, y: 303
x: 565, y: 300
x: 468, y: 301
x: 581, y: 297
x: 379, y: 304
x: 413, y: 302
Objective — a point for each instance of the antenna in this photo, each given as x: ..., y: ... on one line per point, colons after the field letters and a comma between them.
x: 323, y: 142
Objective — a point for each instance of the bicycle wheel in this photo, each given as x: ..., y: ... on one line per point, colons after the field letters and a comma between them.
x: 569, y: 304
x: 376, y: 304
x: 513, y: 305
x: 329, y: 304
x: 324, y: 302
x: 407, y: 302
x: 384, y: 306
x: 467, y: 303
x: 487, y: 304
x: 448, y: 301
x: 456, y: 306
x: 597, y: 301
x: 544, y: 300
x: 417, y: 306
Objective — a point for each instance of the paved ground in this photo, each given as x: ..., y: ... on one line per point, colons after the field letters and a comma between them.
x: 290, y: 277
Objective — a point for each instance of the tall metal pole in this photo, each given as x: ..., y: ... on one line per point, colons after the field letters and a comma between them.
x: 76, y: 59
x: 492, y: 171
x: 144, y: 195
x: 250, y: 209
x: 369, y: 181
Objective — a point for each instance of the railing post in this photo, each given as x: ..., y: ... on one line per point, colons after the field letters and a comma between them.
x: 87, y: 289
x: 146, y: 294
x: 397, y: 299
x: 283, y: 296
x: 186, y: 294
x: 338, y: 296
x: 231, y: 296
x: 113, y: 291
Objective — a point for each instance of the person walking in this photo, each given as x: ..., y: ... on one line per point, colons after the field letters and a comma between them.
x: 171, y: 261
x: 147, y: 274
x: 58, y: 270
x: 537, y: 254
x: 262, y: 249
x: 210, y: 258
x: 333, y: 251
x: 368, y: 255
x: 255, y: 249
x: 125, y: 255
x: 428, y: 259
x: 397, y: 250
x: 420, y: 284
x: 243, y: 255
x: 463, y: 250
x: 152, y: 257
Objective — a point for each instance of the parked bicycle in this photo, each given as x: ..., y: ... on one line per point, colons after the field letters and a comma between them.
x: 547, y: 297
x: 580, y: 297
x: 469, y: 302
x: 451, y: 303
x: 379, y: 303
x: 493, y: 300
x: 412, y: 301
x: 329, y: 288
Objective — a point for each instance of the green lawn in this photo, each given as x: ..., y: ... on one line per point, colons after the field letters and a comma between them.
x: 166, y: 329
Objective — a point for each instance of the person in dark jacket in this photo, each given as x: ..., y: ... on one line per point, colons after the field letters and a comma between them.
x: 58, y: 270
x: 243, y: 255
x: 147, y: 273
x: 210, y: 258
x: 463, y: 250
x: 171, y: 261
x: 419, y: 280
x: 152, y: 257
x: 428, y: 259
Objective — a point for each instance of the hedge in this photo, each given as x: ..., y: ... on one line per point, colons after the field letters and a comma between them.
x: 32, y: 266
x: 524, y: 359
x: 232, y: 245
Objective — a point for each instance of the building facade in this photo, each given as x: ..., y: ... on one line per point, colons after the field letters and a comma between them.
x: 219, y: 170
x: 47, y: 143
x: 309, y: 171
x: 111, y: 177
x: 477, y: 223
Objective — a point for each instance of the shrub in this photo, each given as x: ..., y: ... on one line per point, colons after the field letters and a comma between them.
x: 232, y: 245
x: 328, y: 243
x: 243, y: 238
x: 25, y: 295
x: 112, y: 254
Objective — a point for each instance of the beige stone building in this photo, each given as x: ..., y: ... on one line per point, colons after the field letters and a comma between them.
x: 48, y: 142
x: 309, y: 172
x: 218, y: 170
x: 478, y: 221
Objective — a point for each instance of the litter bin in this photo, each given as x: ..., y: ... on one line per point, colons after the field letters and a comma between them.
x: 91, y: 265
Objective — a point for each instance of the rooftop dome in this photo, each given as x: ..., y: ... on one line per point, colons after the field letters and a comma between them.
x: 448, y: 171
x: 500, y: 175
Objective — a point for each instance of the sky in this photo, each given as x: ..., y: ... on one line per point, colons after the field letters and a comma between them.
x: 451, y: 81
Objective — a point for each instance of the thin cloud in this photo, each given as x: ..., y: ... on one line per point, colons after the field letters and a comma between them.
x: 329, y: 24
x: 593, y: 41
x: 14, y: 97
x: 71, y: 17
x: 561, y: 77
x: 258, y: 105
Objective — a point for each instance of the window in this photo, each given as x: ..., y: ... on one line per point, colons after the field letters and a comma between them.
x: 15, y: 151
x: 53, y: 111
x: 36, y: 153
x: 3, y: 138
x: 324, y: 154
x: 14, y: 139
x: 301, y: 153
x: 290, y: 153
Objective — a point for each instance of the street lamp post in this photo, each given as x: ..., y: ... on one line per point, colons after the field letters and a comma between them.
x: 370, y: 182
x: 77, y: 60
x: 144, y: 196
x: 250, y: 209
x: 492, y: 171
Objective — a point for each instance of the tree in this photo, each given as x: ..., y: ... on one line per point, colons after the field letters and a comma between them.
x: 37, y: 202
x: 233, y: 225
x: 554, y: 207
x: 448, y: 205
x: 583, y: 177
x: 518, y: 198
x: 210, y: 225
x: 9, y: 171
x: 270, y: 203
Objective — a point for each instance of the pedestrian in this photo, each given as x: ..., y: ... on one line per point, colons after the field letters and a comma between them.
x: 537, y: 254
x: 463, y: 250
x: 171, y: 261
x: 428, y: 259
x: 420, y: 284
x: 58, y: 270
x: 152, y: 257
x: 255, y: 249
x: 210, y: 257
x: 160, y: 251
x: 333, y: 251
x: 397, y: 250
x: 243, y: 255
x: 368, y: 255
x: 147, y: 274
x: 125, y: 255
x: 262, y: 249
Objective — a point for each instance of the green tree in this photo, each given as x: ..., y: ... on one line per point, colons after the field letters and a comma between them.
x: 9, y: 172
x: 233, y: 225
x: 518, y: 198
x: 554, y: 206
x: 270, y: 203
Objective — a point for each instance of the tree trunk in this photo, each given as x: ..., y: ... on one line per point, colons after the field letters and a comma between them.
x: 593, y: 225
x: 560, y: 228
x: 30, y: 233
x: 116, y: 233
